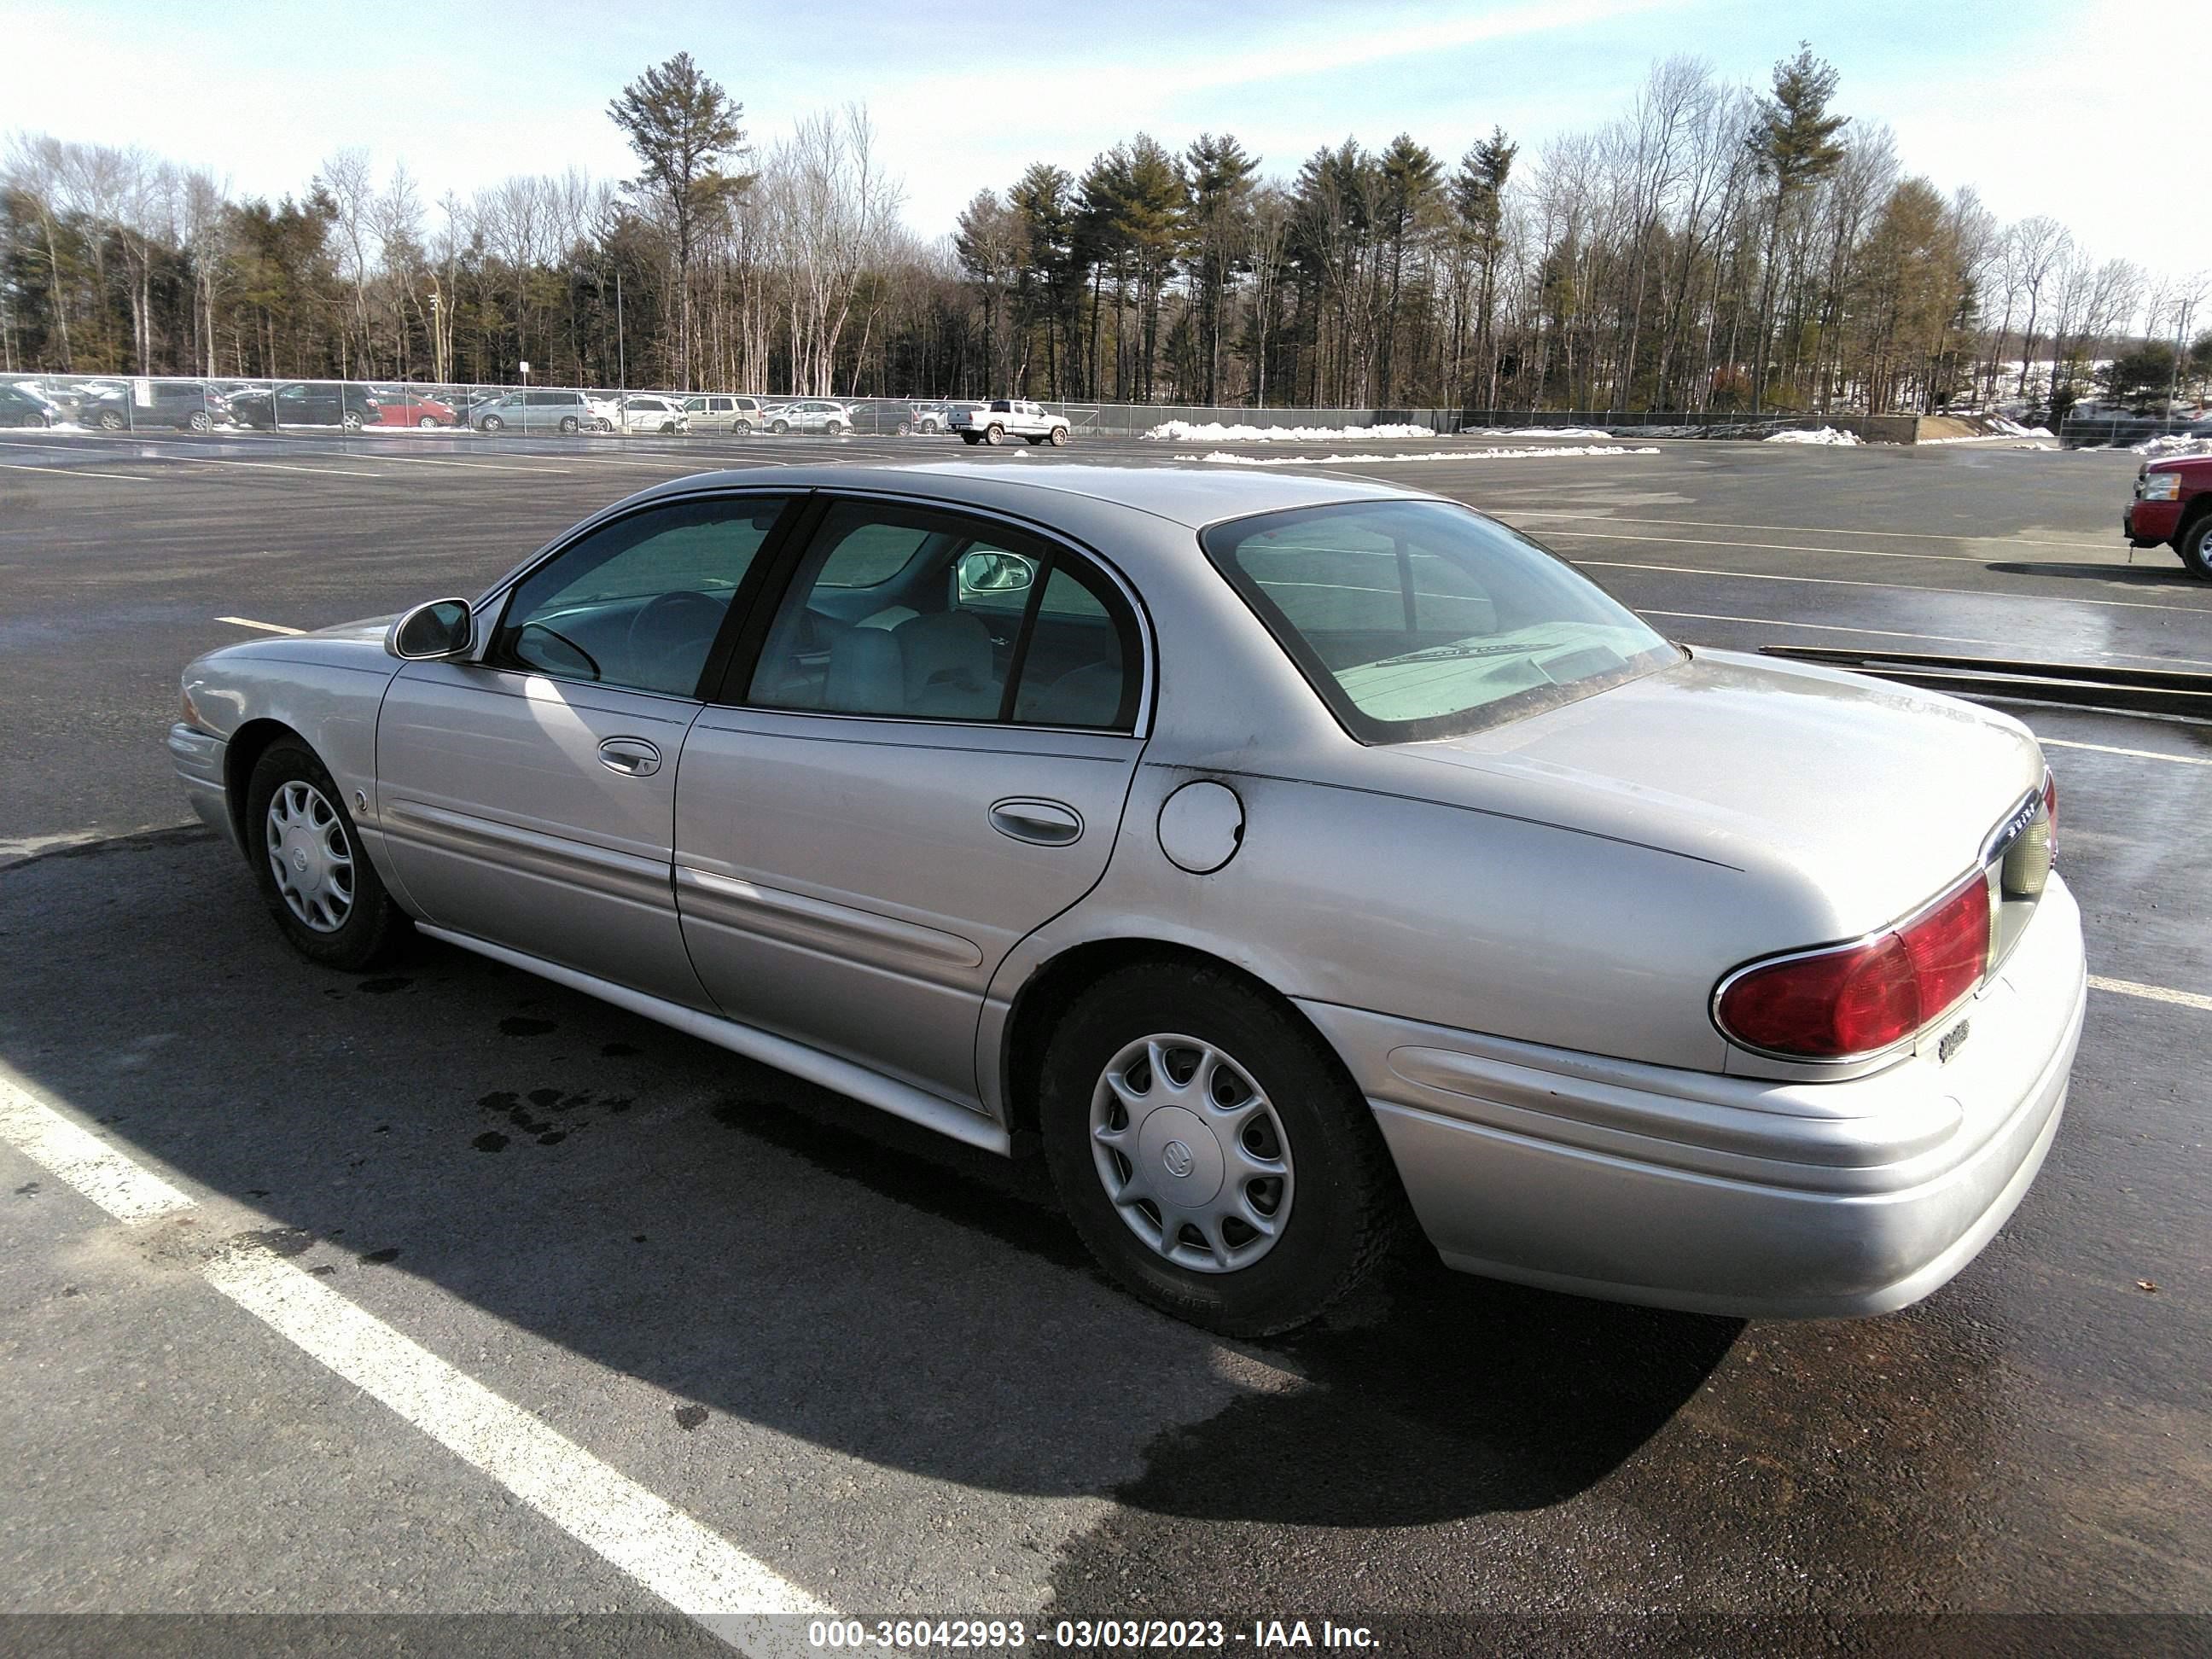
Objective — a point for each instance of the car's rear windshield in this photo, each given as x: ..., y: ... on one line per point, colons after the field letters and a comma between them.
x: 1416, y: 620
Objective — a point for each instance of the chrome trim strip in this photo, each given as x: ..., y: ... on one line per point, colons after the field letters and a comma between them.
x: 947, y: 1117
x: 728, y: 902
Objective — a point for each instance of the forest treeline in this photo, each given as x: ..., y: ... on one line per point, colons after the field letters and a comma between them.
x: 1715, y: 247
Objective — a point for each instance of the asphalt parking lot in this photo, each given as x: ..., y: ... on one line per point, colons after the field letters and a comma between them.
x: 878, y: 1365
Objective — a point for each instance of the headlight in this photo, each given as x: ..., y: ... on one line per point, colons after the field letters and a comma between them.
x: 2159, y: 487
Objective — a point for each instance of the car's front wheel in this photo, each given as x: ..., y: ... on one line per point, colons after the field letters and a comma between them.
x: 428, y: 421
x: 779, y: 428
x: 1059, y: 436
x: 308, y: 862
x: 111, y: 419
x: 200, y: 421
x: 2194, y: 546
x: 1211, y: 1151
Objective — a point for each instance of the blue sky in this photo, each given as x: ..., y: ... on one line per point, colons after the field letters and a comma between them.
x: 2042, y: 104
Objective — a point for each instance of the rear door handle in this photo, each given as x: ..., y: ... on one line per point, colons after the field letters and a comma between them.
x: 1046, y: 823
x: 634, y: 757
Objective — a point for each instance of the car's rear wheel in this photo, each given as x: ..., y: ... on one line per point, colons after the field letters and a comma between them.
x: 491, y: 423
x: 994, y: 434
x: 308, y: 860
x: 200, y: 421
x: 569, y: 424
x: 351, y: 420
x: 835, y: 428
x: 2194, y: 546
x: 1211, y: 1151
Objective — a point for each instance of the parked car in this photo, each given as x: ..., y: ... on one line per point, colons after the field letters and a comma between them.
x: 407, y: 406
x: 809, y: 415
x: 188, y: 405
x: 540, y: 411
x: 306, y: 403
x: 927, y: 420
x: 724, y: 411
x: 649, y: 411
x: 20, y: 406
x: 1011, y: 417
x: 2172, y: 507
x: 1321, y: 852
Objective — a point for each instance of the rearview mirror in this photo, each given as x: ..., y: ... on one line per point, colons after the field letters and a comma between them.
x: 432, y: 632
x: 995, y: 573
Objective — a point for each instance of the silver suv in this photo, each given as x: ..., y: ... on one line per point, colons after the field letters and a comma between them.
x: 724, y: 411
x: 810, y: 414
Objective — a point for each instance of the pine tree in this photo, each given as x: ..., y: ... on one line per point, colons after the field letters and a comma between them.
x: 1792, y: 143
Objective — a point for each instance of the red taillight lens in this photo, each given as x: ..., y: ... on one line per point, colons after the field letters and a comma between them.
x: 2051, y: 811
x: 1864, y: 997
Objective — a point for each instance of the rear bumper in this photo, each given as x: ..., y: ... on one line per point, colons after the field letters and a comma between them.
x: 2150, y: 522
x: 1731, y: 1195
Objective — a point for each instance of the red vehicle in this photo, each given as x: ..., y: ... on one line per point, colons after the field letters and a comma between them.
x: 401, y: 407
x: 2173, y: 505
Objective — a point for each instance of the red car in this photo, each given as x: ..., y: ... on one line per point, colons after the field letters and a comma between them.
x: 404, y: 408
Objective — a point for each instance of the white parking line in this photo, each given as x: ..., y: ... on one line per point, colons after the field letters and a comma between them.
x: 1889, y: 588
x: 124, y: 1188
x: 75, y: 472
x: 1903, y: 634
x: 266, y: 628
x: 694, y: 1568
x: 697, y: 1571
x: 2132, y: 754
x: 270, y: 466
x: 1793, y: 529
x: 2128, y: 987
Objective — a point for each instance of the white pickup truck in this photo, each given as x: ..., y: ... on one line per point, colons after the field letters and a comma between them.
x: 1009, y: 417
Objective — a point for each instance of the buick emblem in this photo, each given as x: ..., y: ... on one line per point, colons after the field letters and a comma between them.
x: 300, y: 860
x: 1178, y: 1158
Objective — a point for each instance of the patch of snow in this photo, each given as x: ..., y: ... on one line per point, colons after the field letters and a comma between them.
x: 1224, y: 457
x: 2172, y: 443
x: 1537, y: 432
x: 2013, y: 428
x: 1213, y: 432
x: 1826, y: 434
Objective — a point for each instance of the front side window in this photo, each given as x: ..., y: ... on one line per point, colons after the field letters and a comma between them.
x: 908, y: 613
x: 1422, y: 619
x: 637, y: 603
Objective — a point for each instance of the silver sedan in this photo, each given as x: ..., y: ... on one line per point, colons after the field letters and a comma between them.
x: 1294, y: 861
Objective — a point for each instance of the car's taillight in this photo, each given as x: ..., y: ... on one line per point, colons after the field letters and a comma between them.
x: 2051, y: 811
x: 1859, y: 999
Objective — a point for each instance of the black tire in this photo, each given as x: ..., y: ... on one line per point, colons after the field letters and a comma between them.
x: 200, y: 421
x: 351, y: 420
x: 1347, y: 1211
x: 111, y: 419
x: 1058, y: 438
x: 779, y: 428
x: 835, y: 428
x: 568, y: 425
x: 426, y: 421
x: 491, y: 423
x: 741, y: 427
x: 994, y: 434
x: 374, y: 926
x: 2194, y: 546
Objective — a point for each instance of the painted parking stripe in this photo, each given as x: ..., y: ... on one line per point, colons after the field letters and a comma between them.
x: 120, y: 1186
x: 2128, y: 987
x: 271, y: 467
x: 1795, y: 529
x: 694, y: 1568
x: 1904, y: 633
x: 266, y: 628
x: 1886, y: 587
x: 2132, y: 754
x: 75, y: 472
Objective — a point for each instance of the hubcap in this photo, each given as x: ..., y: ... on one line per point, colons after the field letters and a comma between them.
x: 1192, y: 1153
x: 311, y: 856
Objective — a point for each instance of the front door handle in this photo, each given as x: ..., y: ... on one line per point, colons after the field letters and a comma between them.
x: 634, y: 757
x: 1046, y: 823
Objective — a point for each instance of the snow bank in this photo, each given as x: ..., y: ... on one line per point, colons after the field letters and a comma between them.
x: 1538, y: 432
x: 1222, y: 458
x: 2172, y: 443
x: 2012, y: 428
x: 1212, y: 431
x: 1826, y: 434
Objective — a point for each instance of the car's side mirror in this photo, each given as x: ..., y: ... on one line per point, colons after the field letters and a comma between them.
x: 432, y: 632
x: 995, y: 573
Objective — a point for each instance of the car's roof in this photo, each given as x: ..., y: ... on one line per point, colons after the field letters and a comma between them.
x: 1192, y: 493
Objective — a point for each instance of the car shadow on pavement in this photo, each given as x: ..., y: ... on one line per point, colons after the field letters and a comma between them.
x: 2155, y: 569
x: 762, y: 1249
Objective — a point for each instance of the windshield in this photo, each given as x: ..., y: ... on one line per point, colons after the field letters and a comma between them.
x: 1423, y: 619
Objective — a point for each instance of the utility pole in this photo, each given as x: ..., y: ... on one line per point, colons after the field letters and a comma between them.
x: 621, y: 357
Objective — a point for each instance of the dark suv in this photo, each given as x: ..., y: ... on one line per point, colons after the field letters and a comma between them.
x: 191, y: 405
x: 306, y: 402
x: 2173, y: 504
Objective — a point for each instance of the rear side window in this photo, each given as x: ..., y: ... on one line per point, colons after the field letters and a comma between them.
x: 1415, y: 620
